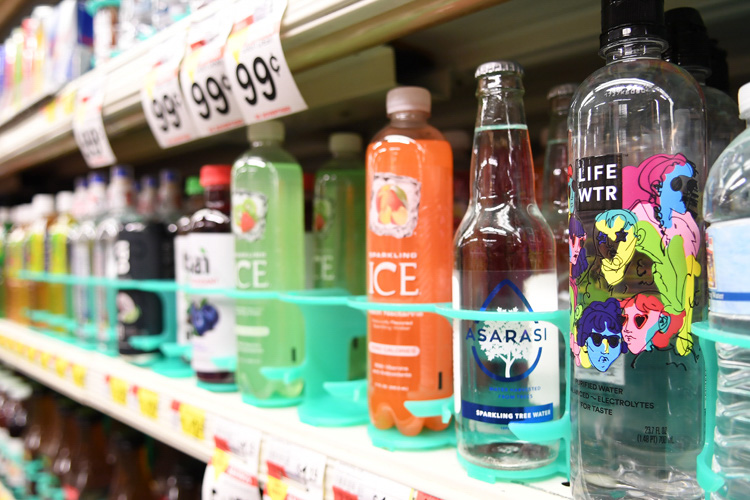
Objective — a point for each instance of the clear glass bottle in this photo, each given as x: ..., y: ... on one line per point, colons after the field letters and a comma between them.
x: 120, y: 194
x: 555, y: 182
x: 727, y: 212
x: 59, y: 261
x: 43, y: 206
x: 690, y: 48
x: 147, y: 196
x: 193, y: 203
x: 81, y: 246
x: 268, y: 224
x: 504, y: 261
x: 637, y: 151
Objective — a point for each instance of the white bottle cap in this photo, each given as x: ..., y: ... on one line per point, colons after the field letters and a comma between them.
x: 460, y: 140
x: 266, y: 131
x: 408, y: 99
x: 345, y: 142
x: 744, y: 101
x: 43, y: 204
x: 64, y: 202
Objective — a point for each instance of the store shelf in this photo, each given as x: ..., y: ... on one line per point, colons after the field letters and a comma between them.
x: 59, y: 365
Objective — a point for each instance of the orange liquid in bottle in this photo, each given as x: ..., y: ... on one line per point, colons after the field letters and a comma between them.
x: 409, y: 236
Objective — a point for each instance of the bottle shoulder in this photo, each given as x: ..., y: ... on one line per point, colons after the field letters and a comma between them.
x: 208, y: 220
x: 423, y: 132
x: 505, y: 225
x: 266, y: 157
x: 633, y: 81
x: 727, y: 193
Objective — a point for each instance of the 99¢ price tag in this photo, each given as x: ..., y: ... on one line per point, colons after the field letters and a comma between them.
x: 79, y: 375
x: 148, y: 402
x: 203, y: 76
x: 161, y: 97
x: 88, y: 126
x: 257, y: 69
x: 119, y: 390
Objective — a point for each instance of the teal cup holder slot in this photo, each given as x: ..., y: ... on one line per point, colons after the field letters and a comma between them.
x: 431, y: 408
x: 228, y: 363
x: 709, y: 480
x: 327, y: 361
x: 532, y: 432
x: 361, y: 303
x: 350, y: 390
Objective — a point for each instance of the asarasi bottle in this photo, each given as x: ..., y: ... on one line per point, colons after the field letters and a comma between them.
x: 409, y: 225
x: 268, y: 224
x: 555, y: 188
x: 210, y: 264
x: 504, y: 261
x: 727, y: 212
x: 637, y: 151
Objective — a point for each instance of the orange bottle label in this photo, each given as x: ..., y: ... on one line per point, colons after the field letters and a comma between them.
x: 409, y: 259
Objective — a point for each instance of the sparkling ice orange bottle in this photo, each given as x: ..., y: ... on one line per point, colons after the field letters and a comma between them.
x: 409, y: 237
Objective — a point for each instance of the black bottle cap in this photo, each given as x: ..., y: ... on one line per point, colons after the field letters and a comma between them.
x: 623, y: 19
x: 719, y: 78
x: 688, y: 39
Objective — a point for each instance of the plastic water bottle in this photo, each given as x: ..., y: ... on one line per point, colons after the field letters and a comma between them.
x: 727, y: 210
x: 638, y: 156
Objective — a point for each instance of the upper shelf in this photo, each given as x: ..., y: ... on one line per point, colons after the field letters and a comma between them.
x: 335, y: 48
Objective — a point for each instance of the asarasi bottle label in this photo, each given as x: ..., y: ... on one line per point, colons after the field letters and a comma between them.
x: 510, y: 368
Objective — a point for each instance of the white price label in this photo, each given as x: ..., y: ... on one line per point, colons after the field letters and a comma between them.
x: 256, y: 66
x: 351, y: 483
x: 161, y: 97
x: 229, y: 478
x: 298, y: 469
x: 239, y: 440
x: 205, y: 85
x: 88, y: 126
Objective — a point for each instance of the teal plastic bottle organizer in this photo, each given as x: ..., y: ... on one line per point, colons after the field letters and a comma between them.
x: 709, y: 480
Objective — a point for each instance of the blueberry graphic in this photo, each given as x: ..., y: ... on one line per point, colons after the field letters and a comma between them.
x: 197, y: 319
x: 210, y: 314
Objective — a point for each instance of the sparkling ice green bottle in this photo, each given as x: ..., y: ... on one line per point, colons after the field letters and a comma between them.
x: 267, y: 220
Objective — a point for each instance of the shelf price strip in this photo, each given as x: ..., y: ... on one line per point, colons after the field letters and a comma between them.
x: 148, y: 402
x: 205, y: 84
x: 161, y: 97
x: 88, y: 126
x: 79, y: 375
x: 119, y: 390
x: 258, y: 72
x: 351, y: 483
x: 293, y: 471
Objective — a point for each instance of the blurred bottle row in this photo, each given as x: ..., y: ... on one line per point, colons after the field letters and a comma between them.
x: 52, y: 448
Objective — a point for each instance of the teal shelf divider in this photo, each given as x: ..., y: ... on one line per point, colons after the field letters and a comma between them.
x: 709, y: 480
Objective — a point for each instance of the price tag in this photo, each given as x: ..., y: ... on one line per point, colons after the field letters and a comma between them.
x: 88, y: 126
x: 192, y: 420
x: 44, y: 359
x: 300, y: 469
x: 31, y: 353
x: 148, y: 401
x: 61, y: 367
x: 119, y: 390
x: 351, y: 483
x: 205, y: 85
x: 229, y: 478
x: 424, y: 496
x: 238, y: 439
x: 79, y: 375
x: 161, y: 96
x: 256, y: 66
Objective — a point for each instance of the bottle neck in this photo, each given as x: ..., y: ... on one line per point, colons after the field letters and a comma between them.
x: 637, y: 48
x: 346, y: 155
x: 409, y: 119
x: 558, y: 121
x: 502, y: 170
x: 217, y: 198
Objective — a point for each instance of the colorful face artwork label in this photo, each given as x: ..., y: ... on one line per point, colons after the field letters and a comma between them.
x: 249, y: 211
x: 394, y: 205
x: 634, y: 262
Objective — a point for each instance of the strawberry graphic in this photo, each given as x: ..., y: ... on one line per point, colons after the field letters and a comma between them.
x: 247, y: 223
x: 320, y: 222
